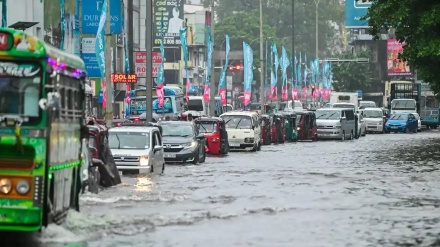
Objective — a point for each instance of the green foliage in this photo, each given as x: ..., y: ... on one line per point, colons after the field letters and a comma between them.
x: 351, y: 76
x: 417, y: 23
x: 278, y: 16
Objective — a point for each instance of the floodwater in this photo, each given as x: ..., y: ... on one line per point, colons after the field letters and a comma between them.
x: 380, y: 190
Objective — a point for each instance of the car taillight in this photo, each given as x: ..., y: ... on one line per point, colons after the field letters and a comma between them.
x: 118, y: 124
x: 136, y: 119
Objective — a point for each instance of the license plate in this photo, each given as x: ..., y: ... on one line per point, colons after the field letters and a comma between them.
x: 393, y: 127
x: 234, y: 144
x: 169, y: 155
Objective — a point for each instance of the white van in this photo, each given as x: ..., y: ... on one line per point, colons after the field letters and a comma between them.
x: 244, y: 130
x: 196, y: 103
x: 137, y: 148
x: 335, y: 123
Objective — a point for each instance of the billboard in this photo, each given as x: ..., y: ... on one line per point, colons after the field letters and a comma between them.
x: 354, y: 11
x: 173, y: 16
x: 88, y: 55
x: 396, y: 66
x: 91, y: 12
x: 140, y: 66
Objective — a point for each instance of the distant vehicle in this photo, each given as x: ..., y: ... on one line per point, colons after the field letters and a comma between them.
x: 196, y: 103
x: 227, y: 107
x: 119, y: 122
x: 244, y: 130
x: 295, y: 105
x: 402, y: 122
x: 374, y: 120
x: 403, y: 105
x: 336, y: 123
x: 345, y: 105
x: 137, y: 148
x: 216, y: 136
x: 307, y: 126
x: 366, y: 104
x: 344, y: 97
x: 182, y: 142
x: 419, y: 122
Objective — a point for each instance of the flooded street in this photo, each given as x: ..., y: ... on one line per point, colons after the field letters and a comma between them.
x: 380, y: 190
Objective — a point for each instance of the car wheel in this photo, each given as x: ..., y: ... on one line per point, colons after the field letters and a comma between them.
x: 196, y: 158
x: 203, y: 159
x: 343, y: 136
x: 259, y: 146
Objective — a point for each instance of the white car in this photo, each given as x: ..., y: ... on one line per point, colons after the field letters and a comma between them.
x: 419, y: 122
x: 137, y: 148
x: 244, y: 130
x: 362, y: 126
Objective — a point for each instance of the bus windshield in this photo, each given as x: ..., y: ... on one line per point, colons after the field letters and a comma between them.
x: 195, y: 105
x: 20, y: 86
x: 403, y: 104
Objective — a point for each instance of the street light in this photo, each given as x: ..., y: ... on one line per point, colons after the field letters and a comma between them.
x: 316, y: 27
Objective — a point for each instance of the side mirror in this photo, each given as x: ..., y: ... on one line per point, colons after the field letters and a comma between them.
x: 157, y: 148
x: 343, y: 118
x: 97, y: 162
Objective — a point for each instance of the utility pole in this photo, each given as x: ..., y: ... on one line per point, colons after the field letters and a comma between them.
x: 261, y: 60
x: 316, y: 27
x: 149, y: 60
x: 212, y: 85
x: 108, y: 70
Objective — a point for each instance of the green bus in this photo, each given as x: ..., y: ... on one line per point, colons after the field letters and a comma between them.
x: 41, y: 128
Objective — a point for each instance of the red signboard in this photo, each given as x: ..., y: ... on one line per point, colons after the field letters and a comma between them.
x: 121, y: 78
x: 395, y: 65
x: 140, y: 63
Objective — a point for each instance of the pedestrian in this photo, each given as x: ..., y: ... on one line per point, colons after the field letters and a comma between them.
x: 189, y: 117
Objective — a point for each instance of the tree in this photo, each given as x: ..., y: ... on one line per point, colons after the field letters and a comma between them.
x: 351, y: 76
x: 416, y: 23
x: 279, y: 13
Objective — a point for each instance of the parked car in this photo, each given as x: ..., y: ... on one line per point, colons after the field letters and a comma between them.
x: 137, y: 148
x: 402, y: 122
x: 336, y: 123
x: 182, y: 142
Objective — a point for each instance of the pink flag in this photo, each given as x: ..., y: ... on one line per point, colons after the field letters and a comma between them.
x: 273, y: 93
x: 104, y: 94
x: 315, y: 93
x: 247, y: 97
x: 222, y: 92
x: 206, y: 94
x: 305, y: 92
x: 294, y: 94
x: 160, y: 96
x: 285, y: 93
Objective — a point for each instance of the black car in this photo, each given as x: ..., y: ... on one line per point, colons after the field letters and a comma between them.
x: 182, y: 142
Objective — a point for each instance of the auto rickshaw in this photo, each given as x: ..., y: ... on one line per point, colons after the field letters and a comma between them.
x: 290, y: 127
x: 101, y: 154
x: 215, y: 133
x: 307, y: 128
x: 265, y: 129
x: 277, y: 131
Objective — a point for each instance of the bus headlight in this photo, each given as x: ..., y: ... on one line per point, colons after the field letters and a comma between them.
x: 22, y: 187
x: 5, y: 186
x: 143, y: 161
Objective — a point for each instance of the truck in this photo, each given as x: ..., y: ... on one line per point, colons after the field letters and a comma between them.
x: 344, y: 97
x: 402, y: 96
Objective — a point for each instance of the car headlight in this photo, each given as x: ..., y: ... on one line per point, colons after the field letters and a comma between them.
x: 22, y: 187
x: 191, y: 144
x: 299, y: 128
x: 143, y: 161
x: 5, y: 186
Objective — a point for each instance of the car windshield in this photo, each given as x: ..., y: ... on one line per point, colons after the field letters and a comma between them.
x: 238, y: 122
x: 399, y: 117
x: 328, y: 114
x: 195, y: 105
x: 207, y: 127
x: 129, y: 140
x: 20, y: 86
x: 343, y: 106
x: 373, y: 114
x: 367, y: 104
x: 403, y: 104
x: 176, y: 129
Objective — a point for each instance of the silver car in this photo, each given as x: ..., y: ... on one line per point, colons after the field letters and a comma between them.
x: 137, y: 148
x: 374, y: 119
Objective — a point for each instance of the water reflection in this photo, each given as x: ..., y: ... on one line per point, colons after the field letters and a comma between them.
x: 143, y: 184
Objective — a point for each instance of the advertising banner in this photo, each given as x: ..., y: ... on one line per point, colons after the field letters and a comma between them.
x: 248, y: 59
x: 396, y: 66
x: 140, y: 65
x: 89, y: 57
x: 91, y: 10
x: 173, y: 16
x: 354, y: 11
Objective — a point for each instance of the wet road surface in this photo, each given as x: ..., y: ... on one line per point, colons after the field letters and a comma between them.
x: 380, y: 190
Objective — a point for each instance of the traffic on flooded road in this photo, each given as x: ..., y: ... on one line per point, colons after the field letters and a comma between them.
x: 381, y: 190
